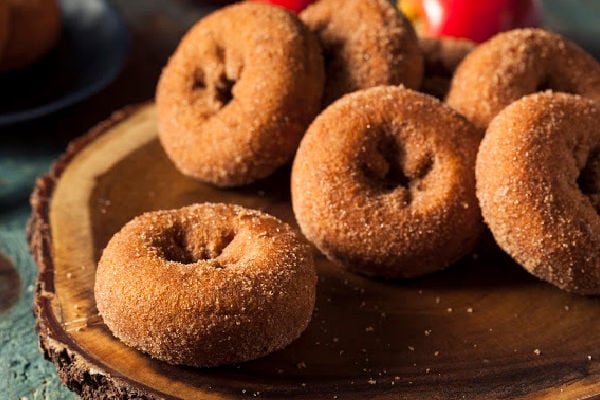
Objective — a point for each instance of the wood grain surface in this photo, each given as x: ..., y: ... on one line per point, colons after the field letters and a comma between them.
x: 481, y: 329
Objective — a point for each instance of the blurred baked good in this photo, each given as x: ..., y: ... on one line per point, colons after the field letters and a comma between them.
x: 3, y: 25
x: 366, y: 43
x: 515, y: 63
x: 33, y: 28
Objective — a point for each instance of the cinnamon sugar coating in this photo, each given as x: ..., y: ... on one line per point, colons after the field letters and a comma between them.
x: 205, y: 285
x: 383, y: 183
x: 515, y: 63
x: 538, y: 184
x: 366, y: 43
x: 238, y: 93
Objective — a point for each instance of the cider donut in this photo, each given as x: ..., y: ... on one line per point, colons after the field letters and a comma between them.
x: 518, y: 62
x: 33, y: 28
x: 366, y: 43
x: 206, y: 284
x: 384, y: 188
x: 238, y: 93
x: 538, y: 184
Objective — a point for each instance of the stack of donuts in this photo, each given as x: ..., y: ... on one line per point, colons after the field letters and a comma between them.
x: 537, y: 98
x: 387, y: 181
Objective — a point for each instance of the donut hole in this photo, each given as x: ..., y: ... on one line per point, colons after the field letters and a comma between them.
x: 177, y: 251
x: 544, y: 85
x: 589, y: 179
x: 423, y: 168
x: 189, y: 247
x: 219, y: 83
x: 331, y: 46
x: 226, y: 79
x: 550, y: 82
x: 327, y: 57
x: 389, y: 168
x: 199, y: 81
x: 332, y: 56
x: 224, y: 89
x: 384, y: 166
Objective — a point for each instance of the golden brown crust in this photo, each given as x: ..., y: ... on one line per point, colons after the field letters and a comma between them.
x: 515, y: 63
x: 383, y: 183
x: 205, y: 285
x: 441, y: 56
x: 536, y: 158
x: 366, y: 43
x: 33, y: 29
x: 236, y: 96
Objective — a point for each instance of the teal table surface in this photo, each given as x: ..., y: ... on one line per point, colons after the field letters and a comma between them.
x: 28, y: 149
x: 25, y: 374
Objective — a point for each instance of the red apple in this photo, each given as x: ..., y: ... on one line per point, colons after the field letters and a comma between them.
x: 473, y: 19
x: 294, y: 5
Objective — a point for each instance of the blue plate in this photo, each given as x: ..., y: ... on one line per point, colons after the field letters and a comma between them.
x: 89, y: 55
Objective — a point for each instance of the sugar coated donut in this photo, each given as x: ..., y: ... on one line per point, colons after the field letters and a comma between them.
x: 366, y: 43
x: 238, y: 93
x: 538, y: 184
x: 515, y: 63
x: 205, y: 285
x: 383, y: 183
x: 33, y: 28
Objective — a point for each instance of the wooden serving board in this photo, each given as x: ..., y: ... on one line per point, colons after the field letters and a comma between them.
x: 481, y: 329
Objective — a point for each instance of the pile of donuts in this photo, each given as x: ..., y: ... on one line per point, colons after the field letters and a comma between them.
x: 387, y: 181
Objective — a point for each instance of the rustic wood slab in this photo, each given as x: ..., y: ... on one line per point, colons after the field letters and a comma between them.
x: 483, y: 328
